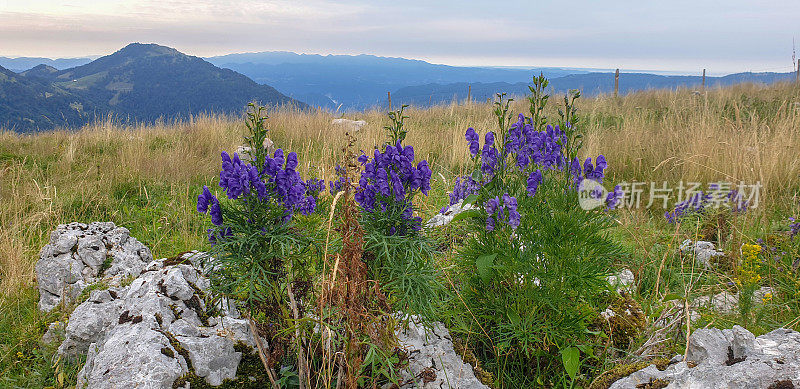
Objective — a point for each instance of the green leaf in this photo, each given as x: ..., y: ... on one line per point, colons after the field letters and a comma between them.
x: 471, y: 199
x: 570, y: 356
x: 484, y: 264
x: 476, y: 175
x: 466, y: 215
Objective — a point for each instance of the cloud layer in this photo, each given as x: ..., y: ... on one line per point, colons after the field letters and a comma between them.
x: 723, y: 36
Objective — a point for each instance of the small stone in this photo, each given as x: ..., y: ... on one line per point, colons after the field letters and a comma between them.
x: 443, y: 219
x: 703, y: 251
x: 622, y: 281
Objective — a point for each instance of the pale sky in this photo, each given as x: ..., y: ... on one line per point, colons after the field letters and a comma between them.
x: 723, y: 36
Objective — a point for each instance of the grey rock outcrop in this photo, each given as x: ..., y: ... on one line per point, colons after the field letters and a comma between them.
x: 730, y: 358
x: 79, y: 255
x: 155, y: 330
x: 432, y: 361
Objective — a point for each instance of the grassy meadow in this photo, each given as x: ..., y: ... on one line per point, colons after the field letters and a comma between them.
x: 147, y: 178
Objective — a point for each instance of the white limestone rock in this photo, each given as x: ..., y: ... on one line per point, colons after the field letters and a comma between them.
x: 703, y: 251
x: 432, y: 361
x: 444, y: 218
x: 730, y: 358
x: 76, y: 254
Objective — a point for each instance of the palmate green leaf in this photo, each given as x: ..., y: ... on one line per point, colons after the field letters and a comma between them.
x: 570, y: 356
x: 484, y: 264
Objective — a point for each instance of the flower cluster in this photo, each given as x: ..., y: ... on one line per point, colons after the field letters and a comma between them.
x: 747, y: 276
x: 502, y: 212
x: 695, y: 204
x: 534, y: 180
x: 464, y: 187
x: 278, y: 180
x: 314, y: 187
x: 474, y: 141
x: 208, y: 203
x: 698, y: 202
x: 794, y: 228
x: 543, y: 148
x: 390, y: 179
x: 595, y: 172
x: 237, y: 177
x: 289, y: 186
x: 489, y: 156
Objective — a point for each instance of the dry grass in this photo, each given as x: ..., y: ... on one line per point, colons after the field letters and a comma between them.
x: 116, y: 172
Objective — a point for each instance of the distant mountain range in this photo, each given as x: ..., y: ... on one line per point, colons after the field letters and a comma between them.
x: 349, y: 82
x: 141, y: 82
x: 589, y: 84
x: 359, y: 81
x: 144, y: 82
x: 21, y: 64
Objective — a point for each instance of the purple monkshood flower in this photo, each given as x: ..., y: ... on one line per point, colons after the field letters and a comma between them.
x: 489, y: 224
x: 502, y: 212
x: 594, y: 173
x: 489, y: 156
x: 794, y: 228
x: 697, y: 202
x: 208, y: 203
x: 464, y: 187
x: 340, y: 182
x: 474, y: 141
x: 492, y: 205
x: 614, y: 198
x: 510, y: 204
x: 390, y: 179
x: 204, y: 200
x: 216, y: 213
x: 314, y: 186
x: 278, y: 180
x: 534, y: 180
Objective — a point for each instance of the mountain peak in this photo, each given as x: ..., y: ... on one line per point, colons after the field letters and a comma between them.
x: 40, y: 70
x: 147, y: 49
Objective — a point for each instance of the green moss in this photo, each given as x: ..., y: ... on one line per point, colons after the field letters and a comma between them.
x: 168, y: 352
x: 627, y: 322
x: 469, y: 357
x: 102, y: 285
x: 106, y: 264
x: 606, y: 379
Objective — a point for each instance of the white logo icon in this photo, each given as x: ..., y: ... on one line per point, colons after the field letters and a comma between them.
x: 591, y: 194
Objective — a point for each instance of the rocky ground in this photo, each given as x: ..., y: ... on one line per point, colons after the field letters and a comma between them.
x: 149, y: 323
x: 153, y: 323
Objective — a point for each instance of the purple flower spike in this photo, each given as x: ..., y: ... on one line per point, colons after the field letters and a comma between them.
x: 534, y: 180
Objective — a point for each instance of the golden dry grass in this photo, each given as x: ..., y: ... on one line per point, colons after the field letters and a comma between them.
x: 118, y: 172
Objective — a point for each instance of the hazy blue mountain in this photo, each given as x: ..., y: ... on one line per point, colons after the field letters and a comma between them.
x: 589, y: 84
x: 20, y: 64
x: 359, y: 81
x: 141, y: 82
